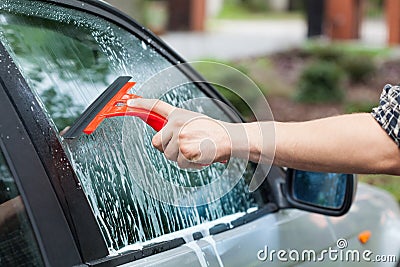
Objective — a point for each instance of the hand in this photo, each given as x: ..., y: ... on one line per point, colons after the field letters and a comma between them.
x: 191, y: 139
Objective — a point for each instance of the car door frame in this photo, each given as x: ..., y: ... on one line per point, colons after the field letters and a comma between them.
x: 76, y: 209
x: 50, y: 227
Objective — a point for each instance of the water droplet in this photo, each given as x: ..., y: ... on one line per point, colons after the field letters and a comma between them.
x: 144, y: 45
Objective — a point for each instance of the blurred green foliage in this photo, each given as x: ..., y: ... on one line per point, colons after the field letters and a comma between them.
x: 323, y: 52
x: 254, y: 5
x: 222, y: 76
x: 316, y: 47
x: 321, y: 81
x: 259, y: 9
x: 386, y: 182
x: 374, y: 8
x: 253, y: 9
x: 237, y: 101
x: 59, y: 61
x: 62, y: 107
x: 332, y: 63
x: 358, y: 67
x: 358, y: 63
x: 356, y: 107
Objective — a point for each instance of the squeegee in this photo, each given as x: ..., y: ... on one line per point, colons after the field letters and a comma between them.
x: 113, y: 103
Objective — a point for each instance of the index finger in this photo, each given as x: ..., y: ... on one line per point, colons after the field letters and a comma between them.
x: 155, y: 105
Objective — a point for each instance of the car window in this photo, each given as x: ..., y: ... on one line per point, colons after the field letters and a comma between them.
x: 18, y: 246
x: 68, y: 58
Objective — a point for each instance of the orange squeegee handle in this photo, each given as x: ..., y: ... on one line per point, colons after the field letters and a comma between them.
x: 155, y: 120
x: 118, y: 107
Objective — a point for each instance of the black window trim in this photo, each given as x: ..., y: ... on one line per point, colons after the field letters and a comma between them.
x: 54, y: 236
x: 85, y: 229
x: 77, y: 211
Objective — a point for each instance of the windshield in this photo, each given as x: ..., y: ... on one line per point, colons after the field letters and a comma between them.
x: 68, y: 58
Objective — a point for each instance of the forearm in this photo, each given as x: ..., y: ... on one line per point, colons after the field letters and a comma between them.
x: 348, y: 144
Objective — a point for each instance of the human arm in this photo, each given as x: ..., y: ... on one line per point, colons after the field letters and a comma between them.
x: 349, y: 143
x: 353, y: 143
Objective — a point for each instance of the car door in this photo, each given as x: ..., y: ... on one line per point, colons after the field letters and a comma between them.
x: 68, y: 58
x: 120, y: 196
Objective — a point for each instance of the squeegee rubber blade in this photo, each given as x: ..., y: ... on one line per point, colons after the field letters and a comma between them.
x: 91, y: 112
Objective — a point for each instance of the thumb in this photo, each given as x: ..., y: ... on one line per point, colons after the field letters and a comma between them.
x: 155, y: 105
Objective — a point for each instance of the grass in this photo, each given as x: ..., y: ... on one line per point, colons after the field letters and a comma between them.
x: 386, y: 182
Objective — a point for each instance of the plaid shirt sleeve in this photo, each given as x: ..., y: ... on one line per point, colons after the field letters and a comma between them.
x: 387, y: 114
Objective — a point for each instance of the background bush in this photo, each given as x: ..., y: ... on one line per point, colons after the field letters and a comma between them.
x: 357, y: 63
x: 329, y: 53
x: 358, y: 67
x: 356, y: 107
x: 255, y: 5
x: 321, y: 82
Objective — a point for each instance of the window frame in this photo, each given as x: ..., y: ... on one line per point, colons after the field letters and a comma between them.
x: 77, y: 211
x: 65, y: 184
x: 54, y: 237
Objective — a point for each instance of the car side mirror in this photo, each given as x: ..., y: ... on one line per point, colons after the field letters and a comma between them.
x: 325, y: 193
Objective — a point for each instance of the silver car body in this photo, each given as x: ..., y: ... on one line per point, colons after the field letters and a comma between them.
x: 373, y: 209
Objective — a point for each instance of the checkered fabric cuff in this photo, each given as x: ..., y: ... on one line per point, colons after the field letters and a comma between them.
x: 387, y: 113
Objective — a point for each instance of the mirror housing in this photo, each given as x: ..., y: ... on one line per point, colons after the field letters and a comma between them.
x: 325, y: 193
